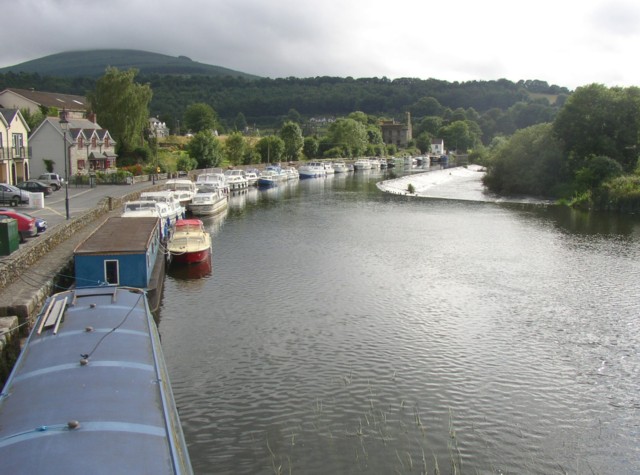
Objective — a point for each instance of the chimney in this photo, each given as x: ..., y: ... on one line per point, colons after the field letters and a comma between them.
x: 92, y: 117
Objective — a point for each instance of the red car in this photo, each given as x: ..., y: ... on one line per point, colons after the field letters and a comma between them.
x: 26, y: 224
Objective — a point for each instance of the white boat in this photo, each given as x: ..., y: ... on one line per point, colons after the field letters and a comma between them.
x: 340, y: 167
x: 182, y: 188
x: 176, y: 210
x: 208, y: 201
x: 149, y: 208
x: 236, y: 180
x: 311, y: 170
x: 215, y: 177
x: 291, y: 173
x: 362, y: 164
x: 252, y: 177
x: 189, y: 243
x: 328, y: 168
x: 375, y: 163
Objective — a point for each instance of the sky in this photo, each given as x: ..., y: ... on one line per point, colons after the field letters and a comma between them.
x: 563, y: 42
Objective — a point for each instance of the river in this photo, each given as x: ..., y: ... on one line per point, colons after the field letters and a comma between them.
x: 343, y: 330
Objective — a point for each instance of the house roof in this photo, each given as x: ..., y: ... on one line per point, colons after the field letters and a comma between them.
x: 119, y: 235
x: 53, y: 99
x: 8, y: 115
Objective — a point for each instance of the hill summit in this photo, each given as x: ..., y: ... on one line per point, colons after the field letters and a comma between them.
x: 93, y: 63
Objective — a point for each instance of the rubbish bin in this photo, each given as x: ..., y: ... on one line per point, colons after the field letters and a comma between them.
x: 36, y: 200
x: 9, y: 236
x: 129, y: 180
x: 92, y: 181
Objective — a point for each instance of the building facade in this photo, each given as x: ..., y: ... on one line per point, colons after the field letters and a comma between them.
x: 14, y: 140
x: 87, y: 147
x: 397, y: 133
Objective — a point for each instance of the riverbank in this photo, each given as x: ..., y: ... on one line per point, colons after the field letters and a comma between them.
x: 458, y: 183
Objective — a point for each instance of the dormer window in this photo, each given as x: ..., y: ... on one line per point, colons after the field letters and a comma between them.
x: 80, y: 141
x: 106, y: 141
x: 94, y: 142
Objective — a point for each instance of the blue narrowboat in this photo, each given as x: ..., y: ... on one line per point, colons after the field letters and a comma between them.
x: 90, y: 391
x: 123, y: 252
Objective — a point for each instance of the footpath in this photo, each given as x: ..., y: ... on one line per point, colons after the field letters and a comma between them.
x: 44, y: 265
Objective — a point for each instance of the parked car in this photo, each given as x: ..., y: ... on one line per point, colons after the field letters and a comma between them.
x: 12, y: 195
x: 26, y: 224
x: 41, y: 224
x: 35, y: 186
x: 53, y: 179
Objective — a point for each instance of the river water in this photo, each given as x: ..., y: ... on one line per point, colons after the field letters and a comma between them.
x: 343, y: 330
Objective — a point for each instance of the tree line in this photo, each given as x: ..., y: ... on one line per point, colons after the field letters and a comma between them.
x: 535, y: 139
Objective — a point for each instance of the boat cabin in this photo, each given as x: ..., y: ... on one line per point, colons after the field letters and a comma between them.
x: 120, y: 254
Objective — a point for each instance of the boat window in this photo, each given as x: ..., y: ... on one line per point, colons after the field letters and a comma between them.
x: 111, y: 272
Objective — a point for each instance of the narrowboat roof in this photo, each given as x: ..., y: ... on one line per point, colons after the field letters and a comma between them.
x: 119, y: 235
x: 90, y: 392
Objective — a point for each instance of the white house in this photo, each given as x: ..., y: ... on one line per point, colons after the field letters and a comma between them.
x: 158, y: 129
x: 88, y: 147
x: 437, y: 147
x: 14, y: 159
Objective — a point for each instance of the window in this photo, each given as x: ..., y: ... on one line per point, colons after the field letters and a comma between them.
x: 111, y: 272
x: 106, y: 141
x: 80, y: 141
x: 94, y: 142
x: 81, y: 164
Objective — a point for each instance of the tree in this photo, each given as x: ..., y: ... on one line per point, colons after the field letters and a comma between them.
x: 310, y: 147
x: 235, y: 147
x: 185, y: 163
x: 599, y: 121
x: 206, y: 149
x: 350, y: 135
x: 291, y: 135
x: 240, y: 123
x: 270, y: 148
x: 122, y: 106
x: 459, y: 136
x: 531, y: 162
x: 200, y: 116
x: 423, y: 142
x: 426, y: 106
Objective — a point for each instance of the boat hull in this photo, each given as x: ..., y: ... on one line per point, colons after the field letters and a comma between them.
x: 191, y: 257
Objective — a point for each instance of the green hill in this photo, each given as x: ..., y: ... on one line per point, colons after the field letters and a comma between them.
x: 92, y: 63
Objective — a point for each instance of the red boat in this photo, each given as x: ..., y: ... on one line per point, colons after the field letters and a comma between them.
x: 189, y: 243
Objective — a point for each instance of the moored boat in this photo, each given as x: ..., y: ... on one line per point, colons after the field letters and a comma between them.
x: 213, y: 177
x: 208, y: 201
x: 182, y: 188
x: 149, y: 208
x: 236, y: 180
x: 340, y: 167
x: 176, y: 210
x: 190, y: 242
x: 90, y: 392
x: 311, y: 170
x: 362, y: 164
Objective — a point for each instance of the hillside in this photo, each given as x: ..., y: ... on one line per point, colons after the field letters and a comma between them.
x: 92, y: 63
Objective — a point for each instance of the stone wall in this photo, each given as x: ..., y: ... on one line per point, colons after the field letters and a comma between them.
x: 9, y: 346
x: 11, y: 266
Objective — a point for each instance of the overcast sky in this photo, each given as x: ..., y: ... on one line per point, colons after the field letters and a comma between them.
x: 563, y: 42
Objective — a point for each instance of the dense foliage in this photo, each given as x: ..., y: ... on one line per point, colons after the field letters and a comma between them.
x: 498, y: 107
x: 122, y: 105
x: 588, y: 155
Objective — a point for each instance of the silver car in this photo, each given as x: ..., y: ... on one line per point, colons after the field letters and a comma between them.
x: 13, y: 195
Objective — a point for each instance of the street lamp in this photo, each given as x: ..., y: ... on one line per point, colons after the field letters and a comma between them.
x: 64, y: 125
